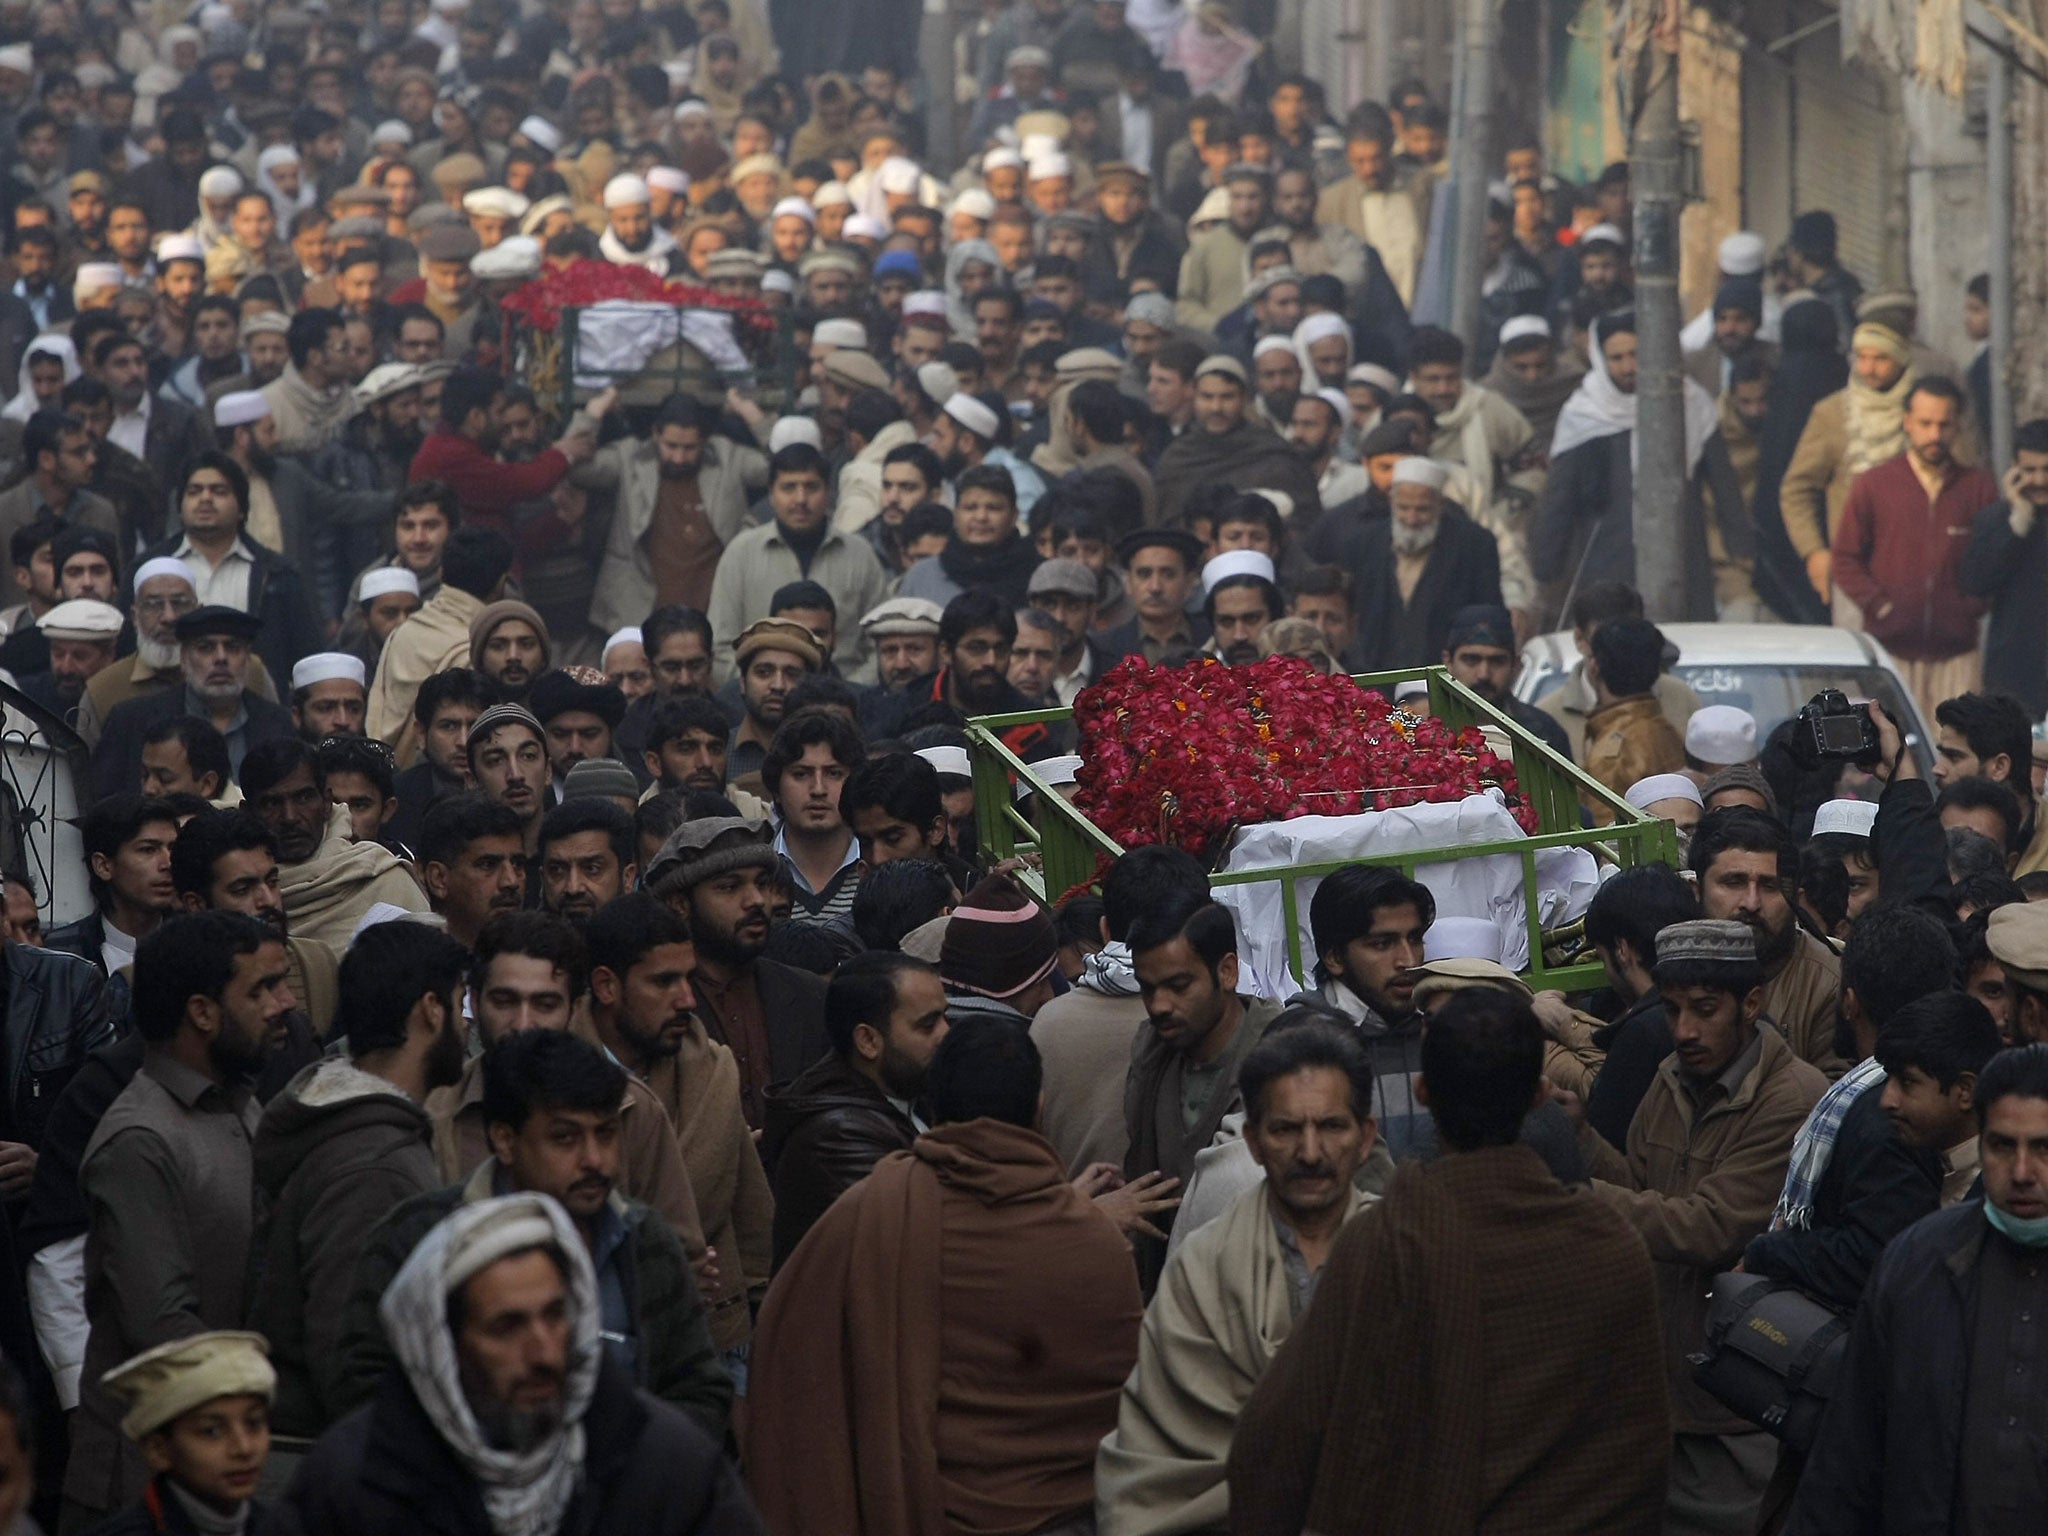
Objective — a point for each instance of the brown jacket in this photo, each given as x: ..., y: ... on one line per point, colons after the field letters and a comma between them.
x: 1629, y: 740
x: 1804, y: 996
x: 1697, y: 1185
x: 1570, y: 705
x: 1817, y: 481
x: 1085, y: 1040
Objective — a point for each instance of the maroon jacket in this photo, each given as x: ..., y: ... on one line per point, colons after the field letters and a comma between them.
x: 487, y: 488
x: 1896, y: 556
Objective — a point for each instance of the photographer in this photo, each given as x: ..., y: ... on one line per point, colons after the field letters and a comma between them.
x: 1912, y: 854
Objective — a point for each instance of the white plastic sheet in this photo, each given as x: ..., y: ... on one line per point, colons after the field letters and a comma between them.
x: 1488, y: 888
x: 620, y: 335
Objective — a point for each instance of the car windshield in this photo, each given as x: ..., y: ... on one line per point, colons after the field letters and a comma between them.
x: 1774, y: 694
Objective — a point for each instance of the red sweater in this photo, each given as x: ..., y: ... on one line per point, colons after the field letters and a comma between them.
x: 487, y: 489
x: 1896, y: 555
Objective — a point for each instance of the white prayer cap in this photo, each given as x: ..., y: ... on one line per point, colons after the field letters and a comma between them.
x: 1524, y: 328
x: 240, y: 408
x: 793, y: 208
x: 897, y: 174
x: 1411, y: 688
x: 276, y: 155
x: 496, y: 203
x: 865, y: 227
x: 1281, y: 503
x: 1742, y: 254
x: 1852, y: 818
x: 1001, y: 160
x: 220, y: 181
x: 1334, y: 399
x: 542, y: 132
x: 794, y: 429
x: 1154, y: 309
x: 1645, y: 793
x: 391, y: 131
x: 839, y: 332
x: 951, y: 760
x: 386, y: 380
x: 939, y: 382
x: 94, y: 276
x: 384, y: 580
x: 328, y: 667
x: 1381, y: 379
x: 630, y: 635
x: 18, y: 57
x: 831, y: 194
x: 973, y: 415
x: 1222, y: 364
x: 668, y: 178
x: 82, y: 618
x: 514, y: 256
x: 1058, y: 770
x: 1607, y: 232
x: 925, y: 301
x: 164, y: 565
x: 775, y: 280
x: 179, y: 248
x: 1416, y: 470
x: 1462, y: 938
x: 1267, y: 344
x: 1048, y: 167
x: 975, y: 203
x: 1722, y: 735
x: 388, y: 912
x: 1237, y: 562
x: 696, y: 106
x: 625, y: 190
x: 1320, y: 327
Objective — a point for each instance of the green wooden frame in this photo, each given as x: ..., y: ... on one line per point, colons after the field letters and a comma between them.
x: 1067, y: 845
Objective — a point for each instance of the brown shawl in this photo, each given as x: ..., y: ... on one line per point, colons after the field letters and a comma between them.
x: 1483, y: 1356
x: 943, y: 1352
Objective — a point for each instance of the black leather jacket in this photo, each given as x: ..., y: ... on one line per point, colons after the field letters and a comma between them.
x: 59, y: 1008
x: 825, y: 1132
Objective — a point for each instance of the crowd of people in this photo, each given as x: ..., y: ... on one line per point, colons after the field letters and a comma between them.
x: 549, y: 1050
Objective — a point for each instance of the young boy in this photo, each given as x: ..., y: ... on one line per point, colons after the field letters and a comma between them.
x: 1932, y: 1051
x: 199, y: 1408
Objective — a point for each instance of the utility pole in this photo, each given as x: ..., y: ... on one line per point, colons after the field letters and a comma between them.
x: 1481, y: 42
x: 935, y: 63
x: 1998, y: 161
x: 1660, y: 379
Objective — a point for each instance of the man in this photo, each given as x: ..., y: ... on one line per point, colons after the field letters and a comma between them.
x: 509, y: 643
x: 1316, y: 430
x: 168, y: 1175
x: 1161, y: 567
x: 985, y: 551
x: 472, y: 860
x: 85, y: 564
x: 805, y: 768
x: 772, y: 657
x: 1429, y: 562
x: 1240, y: 599
x: 344, y: 1143
x: 719, y: 873
x: 686, y: 746
x: 1132, y: 241
x: 796, y: 544
x: 292, y: 510
x: 446, y: 706
x: 60, y: 457
x: 1942, y: 1293
x: 1915, y: 604
x: 328, y: 696
x: 1934, y: 1052
x: 588, y: 857
x: 1068, y: 592
x: 1371, y: 203
x: 461, y: 448
x: 1596, y: 603
x: 1737, y: 316
x: 578, y: 720
x: 1182, y: 1078
x: 826, y: 1129
x: 81, y: 635
x: 613, y: 1457
x: 508, y: 763
x: 1622, y: 924
x: 1368, y: 926
x: 553, y: 1108
x: 2005, y: 558
x: 1480, y: 652
x: 163, y: 595
x: 1225, y: 444
x: 1707, y: 1153
x: 680, y: 496
x: 230, y: 569
x: 1005, y: 1237
x: 159, y: 431
x: 474, y: 566
x: 643, y: 1010
x: 127, y: 841
x: 1343, y: 1419
x: 312, y: 400
x: 1215, y: 268
x: 1745, y: 864
x: 905, y: 635
x: 1628, y: 739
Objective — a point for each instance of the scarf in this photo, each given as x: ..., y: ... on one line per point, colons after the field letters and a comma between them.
x: 958, y: 315
x: 655, y: 257
x: 204, y: 1518
x: 1319, y: 327
x: 308, y: 418
x: 56, y: 345
x: 1215, y: 62
x: 1110, y: 971
x: 1598, y: 408
x: 1815, y: 1145
x: 525, y: 1493
x: 1004, y: 568
x: 1877, y: 417
x: 1463, y: 426
x: 1539, y: 402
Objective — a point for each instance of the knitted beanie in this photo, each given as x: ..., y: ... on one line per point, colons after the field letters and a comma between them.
x: 998, y: 941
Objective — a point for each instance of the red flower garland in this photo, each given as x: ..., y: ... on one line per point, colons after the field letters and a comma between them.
x: 1185, y: 754
x: 586, y: 282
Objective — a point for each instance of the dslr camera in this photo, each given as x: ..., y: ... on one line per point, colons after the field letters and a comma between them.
x: 1830, y: 729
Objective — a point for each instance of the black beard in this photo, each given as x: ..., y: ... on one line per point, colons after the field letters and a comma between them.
x: 263, y: 462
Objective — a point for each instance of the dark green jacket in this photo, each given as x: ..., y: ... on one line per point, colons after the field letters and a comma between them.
x: 676, y: 1359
